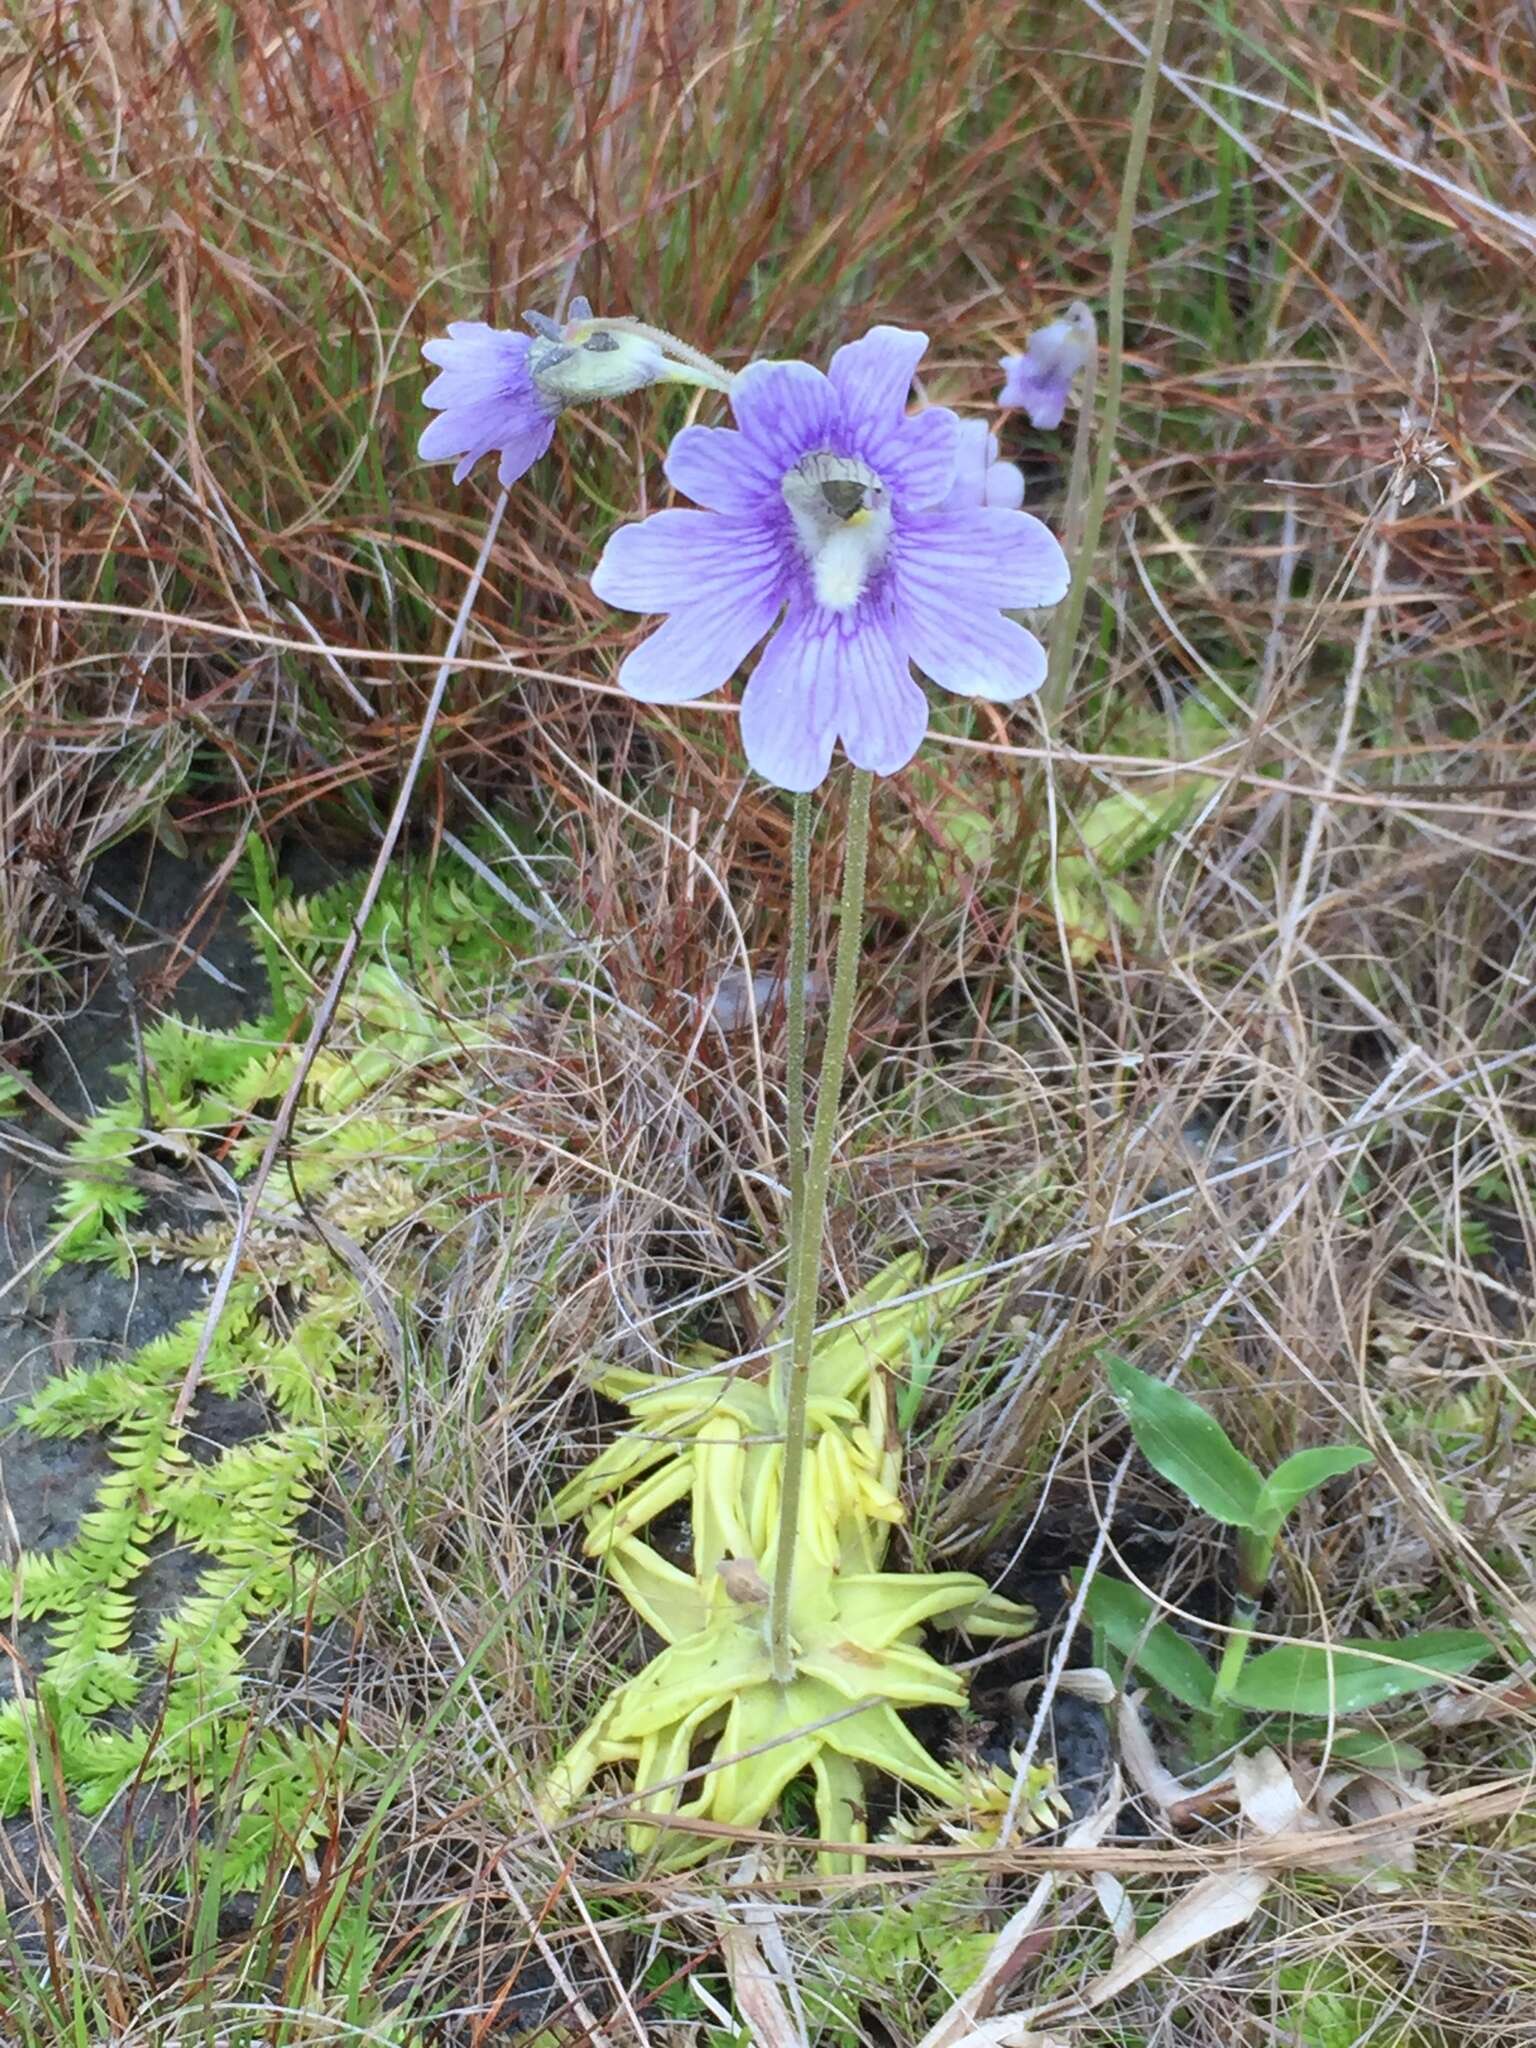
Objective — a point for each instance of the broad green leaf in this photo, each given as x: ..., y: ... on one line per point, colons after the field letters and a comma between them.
x: 1362, y: 1746
x: 1302, y: 1473
x: 1188, y: 1447
x: 1348, y: 1676
x: 1129, y: 1619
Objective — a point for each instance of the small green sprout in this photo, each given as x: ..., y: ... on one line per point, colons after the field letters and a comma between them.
x: 1191, y: 1450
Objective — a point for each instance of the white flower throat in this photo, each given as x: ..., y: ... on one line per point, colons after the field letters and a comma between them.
x: 842, y: 518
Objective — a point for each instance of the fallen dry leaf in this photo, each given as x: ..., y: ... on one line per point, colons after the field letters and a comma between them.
x: 965, y: 2024
x: 1268, y: 1795
x: 757, y: 1964
x: 1213, y: 1906
x: 1144, y: 1766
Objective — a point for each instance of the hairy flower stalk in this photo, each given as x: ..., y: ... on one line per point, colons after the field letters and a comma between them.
x: 807, y: 1227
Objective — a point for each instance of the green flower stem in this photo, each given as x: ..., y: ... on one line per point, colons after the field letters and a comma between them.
x: 795, y: 1006
x: 1255, y: 1555
x: 1069, y: 618
x: 1053, y: 698
x: 807, y: 1227
x: 1227, y: 1718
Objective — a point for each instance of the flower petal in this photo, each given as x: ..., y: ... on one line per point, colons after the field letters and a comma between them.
x: 1040, y: 380
x: 975, y: 448
x: 519, y: 453
x: 471, y: 347
x: 1041, y: 396
x: 789, y: 715
x: 698, y: 648
x: 873, y: 376
x: 884, y: 712
x: 827, y: 675
x: 985, y: 556
x: 485, y: 399
x: 917, y: 457
x: 723, y: 470
x: 785, y: 410
x: 452, y: 432
x: 472, y: 431
x: 1004, y: 486
x: 980, y: 478
x: 675, y: 559
x: 973, y: 650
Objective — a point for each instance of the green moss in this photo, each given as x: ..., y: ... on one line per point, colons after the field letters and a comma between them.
x: 186, y: 1708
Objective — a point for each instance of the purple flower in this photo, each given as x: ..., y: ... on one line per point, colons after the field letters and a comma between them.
x: 829, y: 525
x: 1040, y: 380
x: 505, y: 391
x: 980, y: 479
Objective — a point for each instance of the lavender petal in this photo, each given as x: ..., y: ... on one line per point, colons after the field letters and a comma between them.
x: 789, y: 715
x: 917, y: 457
x: 785, y: 410
x: 873, y: 376
x: 697, y: 649
x: 723, y: 470
x: 678, y: 558
x: 884, y: 713
x: 955, y: 560
x: 972, y: 650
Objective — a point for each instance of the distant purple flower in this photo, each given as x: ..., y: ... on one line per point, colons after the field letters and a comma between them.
x: 830, y: 526
x: 1039, y: 382
x: 980, y: 479
x: 505, y: 391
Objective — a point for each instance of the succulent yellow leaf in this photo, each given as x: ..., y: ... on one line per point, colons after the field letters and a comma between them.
x: 991, y: 1615
x: 911, y: 1678
x: 722, y: 1660
x: 772, y: 1721
x: 620, y: 1462
x: 880, y: 1607
x: 870, y: 1333
x: 719, y: 1517
x: 662, y: 1758
x: 839, y: 1808
x: 611, y: 1525
x: 575, y: 1770
x: 668, y: 1599
x: 878, y: 1738
x: 765, y: 1467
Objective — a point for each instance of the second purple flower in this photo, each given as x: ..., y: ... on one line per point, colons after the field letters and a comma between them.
x: 831, y: 523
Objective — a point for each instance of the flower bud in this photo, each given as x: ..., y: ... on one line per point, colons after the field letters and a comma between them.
x: 586, y: 359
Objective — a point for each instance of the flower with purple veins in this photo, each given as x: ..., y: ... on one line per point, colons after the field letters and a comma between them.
x: 505, y: 391
x: 1039, y: 382
x: 829, y: 529
x: 980, y: 478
